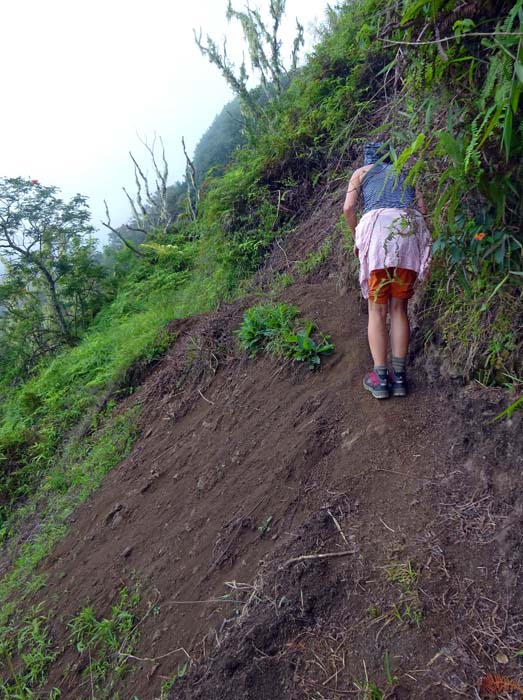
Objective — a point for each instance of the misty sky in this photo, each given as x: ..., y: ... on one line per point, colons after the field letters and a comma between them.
x: 81, y: 79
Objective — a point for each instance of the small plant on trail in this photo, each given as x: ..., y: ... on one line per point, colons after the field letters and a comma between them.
x: 391, y: 679
x: 263, y: 325
x: 315, y: 258
x: 168, y: 684
x: 405, y: 577
x: 370, y: 690
x: 274, y: 328
x: 280, y: 282
x: 108, y: 641
x: 302, y: 347
x: 266, y: 525
x: 31, y: 644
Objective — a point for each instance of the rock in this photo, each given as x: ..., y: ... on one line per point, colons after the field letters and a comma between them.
x: 501, y: 658
x: 111, y: 514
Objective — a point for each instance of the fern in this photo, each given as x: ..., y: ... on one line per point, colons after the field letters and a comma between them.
x: 402, y: 159
x: 472, y: 152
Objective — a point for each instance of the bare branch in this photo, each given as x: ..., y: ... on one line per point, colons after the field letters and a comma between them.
x: 192, y: 190
x: 126, y: 243
x: 137, y: 216
x: 140, y: 171
x: 151, y: 211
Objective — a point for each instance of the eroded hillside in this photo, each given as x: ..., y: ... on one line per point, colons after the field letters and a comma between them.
x: 286, y: 536
x: 180, y: 520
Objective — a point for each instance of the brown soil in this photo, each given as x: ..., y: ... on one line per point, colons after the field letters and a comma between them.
x: 243, y: 465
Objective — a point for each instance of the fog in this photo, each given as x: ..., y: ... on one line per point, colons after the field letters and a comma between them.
x: 83, y: 80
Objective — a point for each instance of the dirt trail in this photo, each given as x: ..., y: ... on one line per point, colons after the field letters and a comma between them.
x: 259, y: 463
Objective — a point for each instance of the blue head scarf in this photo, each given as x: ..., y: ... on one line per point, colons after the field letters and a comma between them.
x: 373, y: 152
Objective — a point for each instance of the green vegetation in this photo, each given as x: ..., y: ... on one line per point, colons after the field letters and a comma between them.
x: 274, y: 328
x: 168, y: 684
x: 265, y: 527
x: 405, y: 577
x: 315, y: 258
x: 442, y: 85
x: 75, y: 476
x: 28, y: 651
x: 370, y: 690
x: 107, y: 642
x: 50, y: 289
x: 30, y: 643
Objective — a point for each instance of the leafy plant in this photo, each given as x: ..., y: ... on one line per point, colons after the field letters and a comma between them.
x: 301, y: 346
x: 510, y: 410
x: 107, y: 641
x: 273, y: 328
x: 31, y: 643
x: 263, y: 325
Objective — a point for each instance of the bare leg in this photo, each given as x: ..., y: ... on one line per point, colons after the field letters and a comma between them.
x: 399, y: 327
x: 377, y: 332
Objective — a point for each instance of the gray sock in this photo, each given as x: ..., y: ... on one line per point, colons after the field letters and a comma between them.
x: 398, y: 364
x: 380, y: 369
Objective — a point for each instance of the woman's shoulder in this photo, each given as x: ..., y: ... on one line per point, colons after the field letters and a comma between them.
x: 364, y: 170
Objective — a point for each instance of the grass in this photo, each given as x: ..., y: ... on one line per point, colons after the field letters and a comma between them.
x: 475, y: 328
x: 370, y: 690
x: 107, y: 642
x: 403, y: 576
x: 315, y: 258
x: 76, y: 475
x: 28, y: 651
x: 280, y: 281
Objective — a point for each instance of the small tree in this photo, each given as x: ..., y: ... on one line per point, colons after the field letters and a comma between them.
x: 264, y: 48
x: 51, y: 278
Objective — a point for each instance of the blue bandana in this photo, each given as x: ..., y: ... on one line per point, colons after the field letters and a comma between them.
x: 373, y: 152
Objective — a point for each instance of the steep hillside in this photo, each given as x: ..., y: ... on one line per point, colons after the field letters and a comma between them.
x: 180, y: 520
x: 244, y: 474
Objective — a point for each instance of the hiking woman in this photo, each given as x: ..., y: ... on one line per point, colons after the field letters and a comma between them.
x: 393, y: 245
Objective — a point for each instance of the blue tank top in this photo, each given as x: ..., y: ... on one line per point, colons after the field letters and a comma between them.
x: 382, y: 188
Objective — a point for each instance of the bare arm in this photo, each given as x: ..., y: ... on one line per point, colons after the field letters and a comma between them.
x: 420, y: 202
x: 350, y: 204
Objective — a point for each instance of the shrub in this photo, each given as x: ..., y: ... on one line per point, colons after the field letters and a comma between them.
x: 274, y: 328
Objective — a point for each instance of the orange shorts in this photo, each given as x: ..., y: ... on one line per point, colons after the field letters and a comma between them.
x: 395, y: 282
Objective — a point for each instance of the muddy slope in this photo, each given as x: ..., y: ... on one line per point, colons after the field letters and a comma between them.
x: 245, y: 465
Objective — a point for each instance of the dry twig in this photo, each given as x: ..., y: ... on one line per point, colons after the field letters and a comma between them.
x: 309, y: 557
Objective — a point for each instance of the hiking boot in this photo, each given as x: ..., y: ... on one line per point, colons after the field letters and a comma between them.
x: 377, y: 382
x: 398, y: 383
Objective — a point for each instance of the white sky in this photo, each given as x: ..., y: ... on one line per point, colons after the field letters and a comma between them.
x: 82, y: 78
